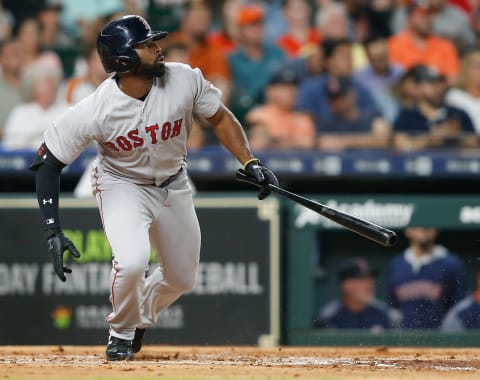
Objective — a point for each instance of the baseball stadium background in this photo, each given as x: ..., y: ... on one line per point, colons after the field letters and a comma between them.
x: 266, y: 268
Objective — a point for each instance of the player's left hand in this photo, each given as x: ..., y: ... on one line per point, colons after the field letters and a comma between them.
x: 262, y: 175
x: 57, y: 244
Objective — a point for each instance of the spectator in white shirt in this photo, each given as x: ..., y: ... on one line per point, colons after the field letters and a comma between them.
x: 466, y: 95
x: 28, y: 120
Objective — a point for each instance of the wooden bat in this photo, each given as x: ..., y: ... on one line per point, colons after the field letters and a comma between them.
x: 362, y: 227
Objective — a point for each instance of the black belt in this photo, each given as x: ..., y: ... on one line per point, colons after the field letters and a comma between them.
x: 172, y: 178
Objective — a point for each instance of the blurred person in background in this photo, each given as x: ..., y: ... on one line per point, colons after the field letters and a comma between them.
x: 466, y: 94
x: 193, y: 32
x: 275, y: 23
x: 253, y: 62
x: 11, y: 64
x: 357, y: 307
x: 348, y: 126
x: 333, y: 23
x: 29, y: 120
x: 370, y: 17
x: 378, y: 14
x: 300, y: 35
x: 79, y: 87
x: 52, y: 34
x: 28, y: 37
x: 465, y: 314
x: 77, y: 15
x: 310, y: 63
x: 405, y: 90
x: 312, y: 97
x: 426, y: 280
x: 20, y: 10
x: 282, y: 127
x: 431, y: 123
x: 6, y: 23
x: 418, y: 44
x: 225, y: 37
x: 449, y: 21
x: 380, y: 75
x: 176, y: 52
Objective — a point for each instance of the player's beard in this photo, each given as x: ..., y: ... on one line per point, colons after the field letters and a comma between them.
x: 150, y: 70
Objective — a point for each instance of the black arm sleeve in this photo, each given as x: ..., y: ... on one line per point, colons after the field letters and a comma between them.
x: 48, y: 170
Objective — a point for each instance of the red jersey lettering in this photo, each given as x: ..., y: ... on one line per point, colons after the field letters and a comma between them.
x: 123, y: 143
x: 111, y: 145
x: 137, y: 140
x: 152, y: 129
x: 177, y: 127
x: 166, y: 130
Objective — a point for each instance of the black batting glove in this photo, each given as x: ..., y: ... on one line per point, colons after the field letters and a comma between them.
x: 262, y: 175
x: 57, y: 244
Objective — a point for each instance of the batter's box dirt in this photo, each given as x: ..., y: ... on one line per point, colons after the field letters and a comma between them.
x: 332, y: 363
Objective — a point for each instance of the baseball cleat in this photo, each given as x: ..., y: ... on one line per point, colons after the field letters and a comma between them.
x: 119, y: 349
x: 137, y: 340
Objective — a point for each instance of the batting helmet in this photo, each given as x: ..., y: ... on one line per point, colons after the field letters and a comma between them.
x: 116, y: 41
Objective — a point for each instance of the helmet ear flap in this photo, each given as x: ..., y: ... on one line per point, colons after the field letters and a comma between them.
x: 128, y: 62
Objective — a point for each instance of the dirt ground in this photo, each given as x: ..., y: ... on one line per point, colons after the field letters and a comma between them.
x: 87, y: 362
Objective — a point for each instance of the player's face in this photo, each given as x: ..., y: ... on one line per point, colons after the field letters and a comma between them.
x: 152, y: 61
x: 359, y: 290
x: 424, y: 237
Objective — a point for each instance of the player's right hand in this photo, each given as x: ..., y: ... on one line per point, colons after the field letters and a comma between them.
x: 57, y: 244
x: 262, y: 175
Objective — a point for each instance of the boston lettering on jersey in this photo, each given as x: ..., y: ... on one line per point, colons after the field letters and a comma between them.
x: 155, y: 132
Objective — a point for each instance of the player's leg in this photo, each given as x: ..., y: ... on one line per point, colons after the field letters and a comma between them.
x: 175, y: 237
x: 126, y: 223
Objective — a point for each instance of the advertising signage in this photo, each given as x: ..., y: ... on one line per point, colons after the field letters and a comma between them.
x: 235, y: 299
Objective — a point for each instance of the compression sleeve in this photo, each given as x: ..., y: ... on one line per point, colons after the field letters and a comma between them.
x: 48, y: 170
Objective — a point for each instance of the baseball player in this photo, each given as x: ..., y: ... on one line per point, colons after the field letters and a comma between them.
x: 465, y: 314
x: 358, y: 308
x: 140, y: 119
x: 426, y: 280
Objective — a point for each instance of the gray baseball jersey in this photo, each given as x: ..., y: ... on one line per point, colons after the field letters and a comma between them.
x: 140, y: 141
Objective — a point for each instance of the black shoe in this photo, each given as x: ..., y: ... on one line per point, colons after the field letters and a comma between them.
x: 119, y: 349
x: 138, y: 340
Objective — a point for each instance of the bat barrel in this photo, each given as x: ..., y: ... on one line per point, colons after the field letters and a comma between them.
x: 360, y: 226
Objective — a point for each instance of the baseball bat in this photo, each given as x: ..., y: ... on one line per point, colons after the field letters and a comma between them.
x: 360, y: 226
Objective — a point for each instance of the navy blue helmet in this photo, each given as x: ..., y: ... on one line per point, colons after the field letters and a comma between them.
x: 116, y: 41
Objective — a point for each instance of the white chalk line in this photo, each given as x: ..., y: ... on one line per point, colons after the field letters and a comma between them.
x: 205, y: 360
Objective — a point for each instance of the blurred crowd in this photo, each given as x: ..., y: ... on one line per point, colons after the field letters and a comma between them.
x: 299, y: 74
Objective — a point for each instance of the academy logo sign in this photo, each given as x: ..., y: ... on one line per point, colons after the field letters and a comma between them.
x: 470, y: 215
x: 387, y: 214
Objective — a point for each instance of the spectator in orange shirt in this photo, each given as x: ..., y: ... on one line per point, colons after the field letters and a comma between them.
x: 193, y: 32
x: 300, y: 35
x: 275, y: 124
x: 418, y: 45
x: 225, y: 38
x: 79, y: 87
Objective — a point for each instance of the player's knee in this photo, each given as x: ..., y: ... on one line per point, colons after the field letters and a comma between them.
x: 184, y: 284
x: 134, y: 271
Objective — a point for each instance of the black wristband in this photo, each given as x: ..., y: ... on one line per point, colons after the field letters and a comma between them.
x: 48, y: 188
